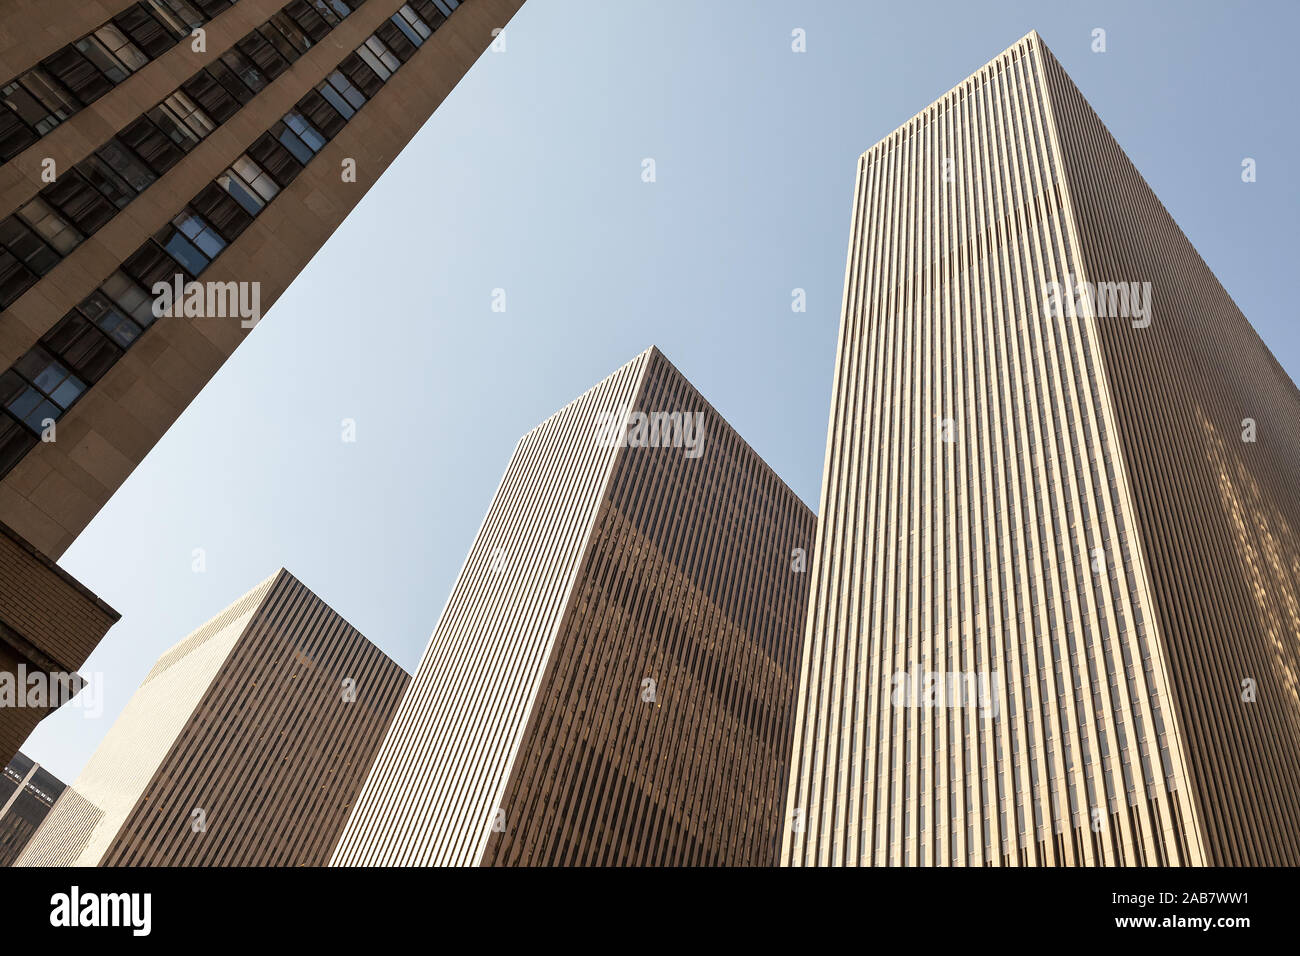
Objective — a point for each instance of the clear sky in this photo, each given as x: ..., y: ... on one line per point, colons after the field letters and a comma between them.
x: 528, y: 179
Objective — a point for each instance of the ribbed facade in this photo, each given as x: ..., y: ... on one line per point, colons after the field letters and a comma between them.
x: 27, y: 792
x: 244, y: 746
x: 612, y: 679
x: 1052, y: 504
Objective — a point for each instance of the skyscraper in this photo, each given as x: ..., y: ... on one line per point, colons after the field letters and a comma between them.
x: 612, y: 678
x: 245, y: 745
x: 1056, y: 586
x: 211, y: 142
x: 27, y: 791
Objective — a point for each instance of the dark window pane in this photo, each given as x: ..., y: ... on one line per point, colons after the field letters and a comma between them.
x: 79, y: 202
x: 78, y: 74
x: 308, y: 20
x: 361, y: 76
x: 186, y: 253
x: 127, y: 165
x: 395, y: 40
x: 23, y: 242
x: 321, y: 114
x: 15, y: 278
x: 15, y: 135
x: 152, y: 145
x: 219, y: 209
x: 106, y: 182
x: 149, y: 265
x: 268, y: 59
x: 275, y: 159
x: 15, y: 442
x: 213, y: 97
x: 145, y: 32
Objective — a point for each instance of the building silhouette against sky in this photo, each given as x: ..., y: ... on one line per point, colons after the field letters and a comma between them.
x: 1084, y: 504
x: 134, y: 151
x: 612, y: 678
x: 245, y: 745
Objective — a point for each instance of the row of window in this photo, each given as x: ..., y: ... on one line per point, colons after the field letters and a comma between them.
x: 81, y: 72
x: 35, y: 238
x: 43, y: 384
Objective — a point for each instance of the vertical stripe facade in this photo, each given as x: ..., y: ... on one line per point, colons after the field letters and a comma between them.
x: 656, y: 725
x: 1209, y: 426
x: 984, y: 681
x: 245, y: 745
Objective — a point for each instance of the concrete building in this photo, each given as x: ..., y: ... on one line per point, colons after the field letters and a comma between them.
x: 245, y: 745
x: 1062, y: 467
x: 612, y: 678
x: 145, y: 146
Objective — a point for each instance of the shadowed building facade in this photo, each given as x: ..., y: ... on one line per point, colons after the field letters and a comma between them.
x: 245, y: 745
x: 1087, y: 503
x: 612, y: 679
x: 27, y: 791
x: 221, y: 141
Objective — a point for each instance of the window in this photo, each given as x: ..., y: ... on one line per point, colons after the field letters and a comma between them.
x: 126, y: 165
x: 152, y: 145
x: 81, y: 77
x: 110, y: 50
x: 321, y: 115
x: 267, y: 57
x: 21, y: 241
x: 395, y: 39
x: 429, y: 13
x: 15, y: 440
x: 409, y: 22
x: 110, y: 319
x: 359, y: 73
x: 52, y: 227
x: 344, y: 88
x: 248, y: 184
x: 181, y: 119
x: 38, y: 101
x: 150, y: 264
x: 129, y: 297
x: 78, y: 201
x: 15, y: 135
x: 106, y: 181
x: 314, y: 22
x: 82, y: 347
x: 145, y: 32
x: 286, y: 36
x: 212, y: 95
x: 378, y: 57
x: 192, y: 241
x: 176, y: 15
x: 217, y: 207
x: 50, y: 389
x: 275, y: 159
x: 298, y: 136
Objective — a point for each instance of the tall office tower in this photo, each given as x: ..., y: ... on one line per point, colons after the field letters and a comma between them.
x: 612, y: 678
x: 1081, y: 499
x: 218, y: 141
x: 245, y: 745
x: 27, y: 791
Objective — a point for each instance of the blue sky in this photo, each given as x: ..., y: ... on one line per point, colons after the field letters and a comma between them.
x: 528, y: 179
